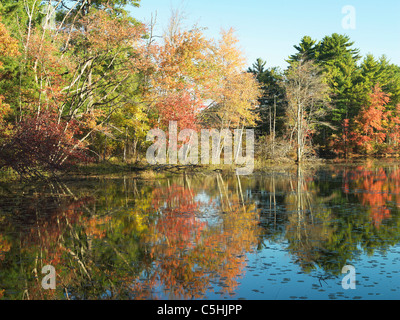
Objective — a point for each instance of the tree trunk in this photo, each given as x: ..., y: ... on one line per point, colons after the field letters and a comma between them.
x: 299, y: 134
x: 273, y: 132
x: 125, y: 144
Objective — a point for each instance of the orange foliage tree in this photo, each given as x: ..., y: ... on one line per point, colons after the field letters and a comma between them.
x: 8, y: 45
x: 369, y: 126
x: 375, y: 130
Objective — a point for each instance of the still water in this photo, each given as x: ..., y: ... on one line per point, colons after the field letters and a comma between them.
x: 277, y: 235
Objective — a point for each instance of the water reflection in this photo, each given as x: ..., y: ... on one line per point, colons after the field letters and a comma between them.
x: 190, y: 236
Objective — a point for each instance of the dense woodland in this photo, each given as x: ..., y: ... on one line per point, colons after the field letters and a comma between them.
x: 84, y: 81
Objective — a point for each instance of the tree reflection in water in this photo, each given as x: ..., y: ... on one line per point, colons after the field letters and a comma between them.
x: 130, y: 243
x: 186, y: 236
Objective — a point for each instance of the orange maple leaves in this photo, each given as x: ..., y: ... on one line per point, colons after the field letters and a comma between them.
x: 196, y: 74
x: 8, y: 45
x: 375, y: 129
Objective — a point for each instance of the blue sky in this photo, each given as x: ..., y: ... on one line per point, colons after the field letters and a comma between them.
x: 269, y: 29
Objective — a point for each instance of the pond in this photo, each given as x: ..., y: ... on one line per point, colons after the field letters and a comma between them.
x: 273, y: 236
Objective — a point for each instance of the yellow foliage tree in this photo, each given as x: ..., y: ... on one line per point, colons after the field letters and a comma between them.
x: 8, y: 45
x: 236, y: 92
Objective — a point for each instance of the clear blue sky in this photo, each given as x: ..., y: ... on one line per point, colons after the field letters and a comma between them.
x: 269, y: 29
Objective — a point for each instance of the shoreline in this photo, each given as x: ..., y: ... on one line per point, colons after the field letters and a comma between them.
x: 265, y: 166
x: 150, y: 172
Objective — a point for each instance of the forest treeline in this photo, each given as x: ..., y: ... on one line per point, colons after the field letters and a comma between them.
x: 83, y: 80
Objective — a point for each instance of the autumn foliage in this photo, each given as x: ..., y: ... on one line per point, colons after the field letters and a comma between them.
x: 94, y: 74
x: 373, y: 131
x: 39, y: 142
x: 99, y: 80
x: 8, y: 44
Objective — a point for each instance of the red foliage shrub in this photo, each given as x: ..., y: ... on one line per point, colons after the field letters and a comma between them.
x: 41, y: 143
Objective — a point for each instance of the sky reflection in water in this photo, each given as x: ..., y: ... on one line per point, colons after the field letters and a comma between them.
x: 283, y: 235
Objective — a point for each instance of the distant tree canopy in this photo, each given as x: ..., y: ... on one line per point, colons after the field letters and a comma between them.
x: 353, y: 81
x: 89, y: 77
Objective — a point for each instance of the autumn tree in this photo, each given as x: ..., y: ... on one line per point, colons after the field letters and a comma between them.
x: 78, y: 72
x: 236, y: 92
x: 369, y: 126
x: 212, y: 74
x: 8, y: 45
x: 107, y: 63
x: 8, y: 48
x: 307, y: 96
x: 183, y: 72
